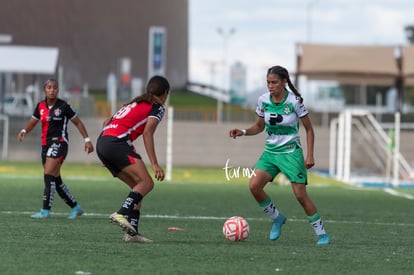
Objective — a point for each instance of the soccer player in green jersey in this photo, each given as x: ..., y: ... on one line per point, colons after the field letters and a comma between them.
x: 278, y: 113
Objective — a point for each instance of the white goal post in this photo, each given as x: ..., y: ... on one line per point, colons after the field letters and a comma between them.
x: 169, y: 165
x: 5, y: 146
x: 360, y: 150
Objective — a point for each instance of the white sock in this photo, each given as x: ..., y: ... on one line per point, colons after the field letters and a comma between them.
x: 318, y: 227
x: 269, y: 208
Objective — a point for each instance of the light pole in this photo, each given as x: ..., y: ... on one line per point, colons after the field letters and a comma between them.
x: 212, y: 65
x: 309, y: 7
x: 225, y: 35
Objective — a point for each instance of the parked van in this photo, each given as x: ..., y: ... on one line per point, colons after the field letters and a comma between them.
x: 16, y: 105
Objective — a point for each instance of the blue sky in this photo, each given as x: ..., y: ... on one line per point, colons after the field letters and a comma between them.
x: 266, y: 31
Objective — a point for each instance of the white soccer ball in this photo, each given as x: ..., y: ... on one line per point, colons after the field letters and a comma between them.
x: 236, y: 229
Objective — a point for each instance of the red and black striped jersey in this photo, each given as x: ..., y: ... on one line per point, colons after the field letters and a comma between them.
x: 131, y: 119
x: 54, y: 120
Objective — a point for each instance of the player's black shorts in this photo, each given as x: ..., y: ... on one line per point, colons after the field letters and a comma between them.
x: 57, y: 150
x: 115, y: 153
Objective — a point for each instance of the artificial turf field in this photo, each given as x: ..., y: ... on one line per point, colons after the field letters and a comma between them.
x: 372, y: 231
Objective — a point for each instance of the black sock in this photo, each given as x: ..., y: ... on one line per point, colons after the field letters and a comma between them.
x: 130, y: 202
x: 65, y: 193
x: 133, y: 218
x: 49, y: 191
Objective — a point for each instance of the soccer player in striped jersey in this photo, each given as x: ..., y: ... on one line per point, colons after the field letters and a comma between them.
x: 115, y: 149
x: 54, y: 115
x: 278, y: 113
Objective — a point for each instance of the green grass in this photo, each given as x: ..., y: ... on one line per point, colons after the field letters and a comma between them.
x: 191, y: 106
x: 185, y: 98
x: 372, y: 232
x: 177, y: 98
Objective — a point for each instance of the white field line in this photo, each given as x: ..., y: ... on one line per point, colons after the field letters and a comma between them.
x: 175, y: 217
x: 398, y: 194
x: 389, y: 191
x: 357, y: 188
x: 100, y: 179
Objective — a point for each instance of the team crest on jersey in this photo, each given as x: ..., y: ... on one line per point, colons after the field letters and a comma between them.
x: 57, y: 112
x: 286, y: 110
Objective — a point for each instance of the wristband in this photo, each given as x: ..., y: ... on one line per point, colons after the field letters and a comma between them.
x: 23, y: 131
x: 87, y: 139
x: 244, y: 132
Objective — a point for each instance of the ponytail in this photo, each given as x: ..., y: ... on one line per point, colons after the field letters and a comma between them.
x: 284, y: 75
x: 156, y: 87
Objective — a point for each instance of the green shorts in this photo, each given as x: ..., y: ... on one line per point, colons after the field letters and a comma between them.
x: 292, y: 165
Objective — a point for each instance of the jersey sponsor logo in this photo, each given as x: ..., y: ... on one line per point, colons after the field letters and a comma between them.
x: 302, y: 108
x: 275, y: 118
x: 259, y: 110
x: 161, y: 111
x: 110, y: 126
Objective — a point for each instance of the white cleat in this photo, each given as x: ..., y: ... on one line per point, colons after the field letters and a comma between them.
x: 123, y: 223
x: 136, y: 239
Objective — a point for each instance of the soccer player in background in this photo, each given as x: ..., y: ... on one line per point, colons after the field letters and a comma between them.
x: 278, y: 112
x: 115, y: 149
x: 54, y: 114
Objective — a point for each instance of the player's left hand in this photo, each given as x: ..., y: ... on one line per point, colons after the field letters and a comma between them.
x: 158, y: 172
x: 235, y: 133
x: 88, y: 147
x: 309, y: 163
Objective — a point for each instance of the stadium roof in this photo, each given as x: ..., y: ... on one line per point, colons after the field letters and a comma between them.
x: 28, y: 60
x: 371, y: 65
x: 408, y: 64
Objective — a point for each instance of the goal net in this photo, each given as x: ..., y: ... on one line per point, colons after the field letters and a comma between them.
x: 362, y: 152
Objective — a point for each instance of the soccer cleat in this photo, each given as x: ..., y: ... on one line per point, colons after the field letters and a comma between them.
x: 42, y: 214
x: 123, y: 223
x: 138, y: 238
x: 75, y: 212
x: 277, y: 227
x: 323, y: 239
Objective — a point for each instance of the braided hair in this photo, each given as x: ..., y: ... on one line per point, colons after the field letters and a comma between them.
x: 48, y: 81
x: 284, y: 75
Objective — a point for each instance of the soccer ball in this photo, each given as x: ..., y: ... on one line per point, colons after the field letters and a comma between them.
x: 236, y: 229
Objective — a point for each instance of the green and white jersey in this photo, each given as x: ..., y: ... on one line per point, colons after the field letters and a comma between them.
x: 282, y: 122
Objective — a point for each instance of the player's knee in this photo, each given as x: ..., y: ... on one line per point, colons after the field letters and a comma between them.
x: 301, y: 197
x: 254, y: 187
x: 151, y: 185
